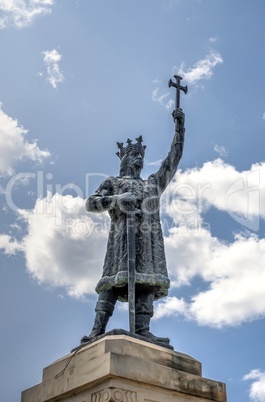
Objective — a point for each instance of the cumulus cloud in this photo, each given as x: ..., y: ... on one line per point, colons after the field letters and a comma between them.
x: 65, y: 245
x: 171, y: 306
x: 220, y: 185
x: 257, y: 388
x: 202, y: 69
x: 233, y: 273
x: 21, y: 13
x: 51, y: 59
x: 10, y: 246
x: 14, y: 147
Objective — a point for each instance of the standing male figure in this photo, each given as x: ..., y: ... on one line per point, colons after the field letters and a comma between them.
x: 125, y: 194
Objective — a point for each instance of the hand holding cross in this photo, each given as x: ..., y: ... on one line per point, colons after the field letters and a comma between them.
x: 178, y: 89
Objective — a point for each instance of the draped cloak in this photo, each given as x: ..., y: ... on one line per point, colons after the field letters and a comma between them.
x: 150, y: 260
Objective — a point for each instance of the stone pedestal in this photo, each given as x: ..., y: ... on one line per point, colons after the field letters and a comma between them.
x: 119, y: 368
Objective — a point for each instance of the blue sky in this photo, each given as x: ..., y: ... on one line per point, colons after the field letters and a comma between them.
x: 77, y: 76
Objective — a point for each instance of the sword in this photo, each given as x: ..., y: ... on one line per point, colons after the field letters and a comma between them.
x: 130, y: 221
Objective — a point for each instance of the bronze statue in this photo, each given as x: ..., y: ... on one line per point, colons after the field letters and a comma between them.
x: 135, y: 265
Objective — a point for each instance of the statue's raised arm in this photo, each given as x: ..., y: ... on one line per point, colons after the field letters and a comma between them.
x: 169, y: 166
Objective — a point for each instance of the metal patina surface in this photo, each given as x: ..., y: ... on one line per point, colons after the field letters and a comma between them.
x: 135, y: 269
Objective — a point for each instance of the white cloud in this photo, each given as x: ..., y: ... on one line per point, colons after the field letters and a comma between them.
x: 263, y: 116
x: 156, y: 81
x: 65, y: 245
x: 233, y: 273
x: 222, y: 186
x: 154, y: 163
x: 213, y: 39
x: 13, y: 146
x: 162, y: 97
x: 201, y: 70
x: 21, y: 13
x: 9, y: 245
x: 171, y: 306
x: 257, y: 388
x: 220, y: 149
x: 51, y: 59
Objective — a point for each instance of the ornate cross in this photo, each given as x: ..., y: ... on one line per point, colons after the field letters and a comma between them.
x: 178, y: 88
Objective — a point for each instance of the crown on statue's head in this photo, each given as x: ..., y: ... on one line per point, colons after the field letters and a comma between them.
x: 138, y: 146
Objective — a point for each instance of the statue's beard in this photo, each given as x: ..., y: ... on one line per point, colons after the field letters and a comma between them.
x: 138, y: 165
x: 133, y: 169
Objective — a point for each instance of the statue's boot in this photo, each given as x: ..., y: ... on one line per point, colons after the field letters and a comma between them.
x: 104, y: 310
x: 142, y: 325
x: 144, y: 312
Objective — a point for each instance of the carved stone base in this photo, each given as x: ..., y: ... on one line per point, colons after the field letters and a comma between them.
x: 118, y: 368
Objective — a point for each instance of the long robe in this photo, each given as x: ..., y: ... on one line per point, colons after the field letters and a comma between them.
x: 150, y: 260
